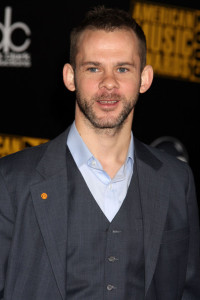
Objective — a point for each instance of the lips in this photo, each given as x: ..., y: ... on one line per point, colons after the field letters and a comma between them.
x: 108, y: 101
x: 105, y: 102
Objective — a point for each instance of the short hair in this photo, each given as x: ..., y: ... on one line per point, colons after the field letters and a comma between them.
x: 108, y: 19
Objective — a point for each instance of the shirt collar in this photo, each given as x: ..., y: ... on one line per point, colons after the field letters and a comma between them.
x: 80, y: 151
x: 77, y: 147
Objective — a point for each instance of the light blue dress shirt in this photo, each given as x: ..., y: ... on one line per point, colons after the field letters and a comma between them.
x: 108, y: 193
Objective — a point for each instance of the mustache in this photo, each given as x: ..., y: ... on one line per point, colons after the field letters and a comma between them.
x: 106, y: 96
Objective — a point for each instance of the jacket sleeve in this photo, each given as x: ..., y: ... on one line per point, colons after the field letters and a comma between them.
x: 6, y: 229
x: 192, y: 284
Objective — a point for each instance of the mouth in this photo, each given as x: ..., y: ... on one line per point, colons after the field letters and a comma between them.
x: 107, y: 102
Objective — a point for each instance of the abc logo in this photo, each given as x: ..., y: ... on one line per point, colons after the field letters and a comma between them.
x: 7, y: 30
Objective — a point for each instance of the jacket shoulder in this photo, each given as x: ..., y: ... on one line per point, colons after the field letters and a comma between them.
x: 160, y: 159
x: 23, y: 159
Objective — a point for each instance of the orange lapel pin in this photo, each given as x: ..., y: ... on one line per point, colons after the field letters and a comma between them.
x: 44, y: 196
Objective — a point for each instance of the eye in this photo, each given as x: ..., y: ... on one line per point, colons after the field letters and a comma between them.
x: 93, y: 69
x: 122, y: 70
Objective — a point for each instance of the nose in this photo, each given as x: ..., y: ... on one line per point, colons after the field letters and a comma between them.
x: 108, y: 81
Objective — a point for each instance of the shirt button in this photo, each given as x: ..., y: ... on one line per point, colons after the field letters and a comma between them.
x: 110, y: 287
x: 93, y: 163
x: 110, y: 186
x: 112, y: 259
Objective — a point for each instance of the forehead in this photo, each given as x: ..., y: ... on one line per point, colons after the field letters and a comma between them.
x: 103, y: 42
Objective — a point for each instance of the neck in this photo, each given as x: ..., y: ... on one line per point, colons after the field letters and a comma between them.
x: 109, y: 146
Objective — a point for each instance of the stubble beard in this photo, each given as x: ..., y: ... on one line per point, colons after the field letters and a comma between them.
x: 106, y: 123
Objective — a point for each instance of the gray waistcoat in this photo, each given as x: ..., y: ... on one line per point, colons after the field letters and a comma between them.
x: 104, y: 260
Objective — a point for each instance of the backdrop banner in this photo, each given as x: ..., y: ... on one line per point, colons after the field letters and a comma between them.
x: 12, y: 143
x: 173, y: 38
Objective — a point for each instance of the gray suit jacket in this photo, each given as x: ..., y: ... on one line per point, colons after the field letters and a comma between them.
x: 33, y: 228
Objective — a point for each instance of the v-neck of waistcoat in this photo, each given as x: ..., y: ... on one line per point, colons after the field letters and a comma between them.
x: 73, y: 169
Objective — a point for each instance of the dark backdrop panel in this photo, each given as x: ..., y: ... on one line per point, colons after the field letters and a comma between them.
x: 34, y: 101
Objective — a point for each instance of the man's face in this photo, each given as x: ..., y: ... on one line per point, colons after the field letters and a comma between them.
x: 107, y: 77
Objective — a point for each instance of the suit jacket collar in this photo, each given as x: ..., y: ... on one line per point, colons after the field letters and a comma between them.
x: 52, y: 212
x: 54, y: 159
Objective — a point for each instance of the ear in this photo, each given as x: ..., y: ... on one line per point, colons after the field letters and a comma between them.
x: 68, y: 77
x: 146, y: 78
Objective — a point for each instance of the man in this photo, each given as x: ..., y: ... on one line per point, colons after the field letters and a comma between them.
x: 94, y: 213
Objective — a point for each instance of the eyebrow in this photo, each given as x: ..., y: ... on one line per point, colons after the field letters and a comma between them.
x: 125, y: 64
x: 94, y: 63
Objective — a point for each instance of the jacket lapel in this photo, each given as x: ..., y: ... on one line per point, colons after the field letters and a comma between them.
x: 50, y: 203
x: 154, y: 190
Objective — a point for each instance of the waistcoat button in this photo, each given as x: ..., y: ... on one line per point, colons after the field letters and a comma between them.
x: 116, y: 231
x: 112, y: 259
x: 110, y: 287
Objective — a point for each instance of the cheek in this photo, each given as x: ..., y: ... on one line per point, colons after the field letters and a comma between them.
x: 130, y: 88
x: 87, y: 87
